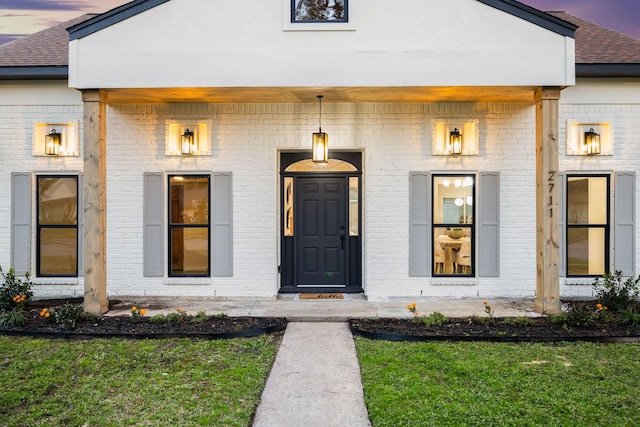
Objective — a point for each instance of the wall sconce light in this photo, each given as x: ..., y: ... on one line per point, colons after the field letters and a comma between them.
x: 455, y: 142
x: 52, y: 143
x: 188, y: 145
x: 592, y: 142
x: 320, y: 147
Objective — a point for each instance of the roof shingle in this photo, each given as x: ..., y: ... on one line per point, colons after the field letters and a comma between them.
x: 596, y: 44
x: 45, y: 48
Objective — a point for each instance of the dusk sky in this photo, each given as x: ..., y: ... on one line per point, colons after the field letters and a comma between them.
x: 20, y: 17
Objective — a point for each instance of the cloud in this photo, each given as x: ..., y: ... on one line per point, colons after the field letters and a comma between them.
x: 14, y: 15
x: 42, y: 5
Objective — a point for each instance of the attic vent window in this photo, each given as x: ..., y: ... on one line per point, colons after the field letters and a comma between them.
x: 304, y: 11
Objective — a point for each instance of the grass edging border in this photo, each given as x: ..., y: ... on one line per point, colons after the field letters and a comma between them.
x: 245, y: 333
x: 387, y: 336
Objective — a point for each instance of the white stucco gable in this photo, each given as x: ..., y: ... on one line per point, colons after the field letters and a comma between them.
x: 249, y: 43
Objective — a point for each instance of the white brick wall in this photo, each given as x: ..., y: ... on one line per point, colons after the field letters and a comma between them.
x: 20, y: 108
x: 395, y: 139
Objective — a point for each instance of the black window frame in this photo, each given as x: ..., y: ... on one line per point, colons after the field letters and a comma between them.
x: 472, y: 226
x: 606, y: 227
x: 293, y: 19
x: 40, y: 227
x: 172, y: 226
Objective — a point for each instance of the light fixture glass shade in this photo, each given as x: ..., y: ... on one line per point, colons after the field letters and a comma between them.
x: 187, y: 143
x: 592, y: 142
x: 320, y: 147
x: 455, y: 142
x: 52, y: 143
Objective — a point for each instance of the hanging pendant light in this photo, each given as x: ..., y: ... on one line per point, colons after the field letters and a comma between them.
x: 320, y: 147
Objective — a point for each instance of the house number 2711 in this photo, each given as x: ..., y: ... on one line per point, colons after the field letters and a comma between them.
x: 551, y: 186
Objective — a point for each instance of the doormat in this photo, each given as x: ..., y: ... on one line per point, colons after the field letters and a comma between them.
x: 321, y: 296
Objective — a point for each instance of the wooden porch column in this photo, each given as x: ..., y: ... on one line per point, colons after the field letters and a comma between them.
x: 94, y: 198
x: 547, y: 201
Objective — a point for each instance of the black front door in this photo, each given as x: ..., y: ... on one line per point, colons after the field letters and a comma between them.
x: 321, y: 240
x: 321, y: 245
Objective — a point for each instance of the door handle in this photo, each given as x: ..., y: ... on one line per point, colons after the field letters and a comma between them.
x: 342, y: 236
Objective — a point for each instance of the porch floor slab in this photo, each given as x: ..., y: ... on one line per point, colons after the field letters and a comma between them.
x: 323, y: 310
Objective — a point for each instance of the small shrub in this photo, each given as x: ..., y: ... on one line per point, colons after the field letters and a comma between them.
x: 615, y: 294
x: 604, y: 314
x: 177, y: 317
x: 69, y: 315
x: 199, y: 318
x: 13, y: 317
x: 435, y: 319
x: 158, y: 318
x: 630, y: 316
x: 12, y: 287
x: 517, y: 321
x: 580, y: 315
x: 559, y: 319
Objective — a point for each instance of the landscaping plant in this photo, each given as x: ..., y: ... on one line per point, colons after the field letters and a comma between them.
x: 615, y: 294
x: 15, y: 294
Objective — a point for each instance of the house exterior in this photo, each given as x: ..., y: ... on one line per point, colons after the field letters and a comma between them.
x: 184, y: 167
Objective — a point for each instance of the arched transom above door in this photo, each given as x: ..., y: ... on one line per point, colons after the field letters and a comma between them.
x: 333, y: 165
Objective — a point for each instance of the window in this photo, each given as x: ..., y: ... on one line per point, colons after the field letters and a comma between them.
x: 57, y: 229
x: 587, y: 225
x: 453, y: 225
x: 189, y: 231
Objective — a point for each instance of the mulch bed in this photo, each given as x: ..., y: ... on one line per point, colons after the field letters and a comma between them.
x: 499, y: 329
x: 214, y: 327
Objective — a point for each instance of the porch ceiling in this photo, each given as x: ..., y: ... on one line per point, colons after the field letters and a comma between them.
x: 331, y: 94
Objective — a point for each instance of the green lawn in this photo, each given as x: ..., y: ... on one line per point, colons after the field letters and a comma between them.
x: 115, y: 382
x: 489, y: 384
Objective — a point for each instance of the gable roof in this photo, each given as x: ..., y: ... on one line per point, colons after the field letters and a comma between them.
x: 42, y: 55
x: 135, y: 7
x: 602, y: 52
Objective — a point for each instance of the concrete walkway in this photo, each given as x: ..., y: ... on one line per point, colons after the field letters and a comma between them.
x: 315, y: 380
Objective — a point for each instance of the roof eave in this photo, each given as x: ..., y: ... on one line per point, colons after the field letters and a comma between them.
x: 534, y: 16
x: 607, y: 70
x: 111, y: 17
x: 35, y: 73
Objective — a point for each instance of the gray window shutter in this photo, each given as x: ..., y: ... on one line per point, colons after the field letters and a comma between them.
x: 153, y: 225
x: 21, y: 222
x: 222, y: 226
x: 80, y: 225
x: 562, y: 225
x: 489, y: 224
x: 419, y: 225
x: 624, y: 231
